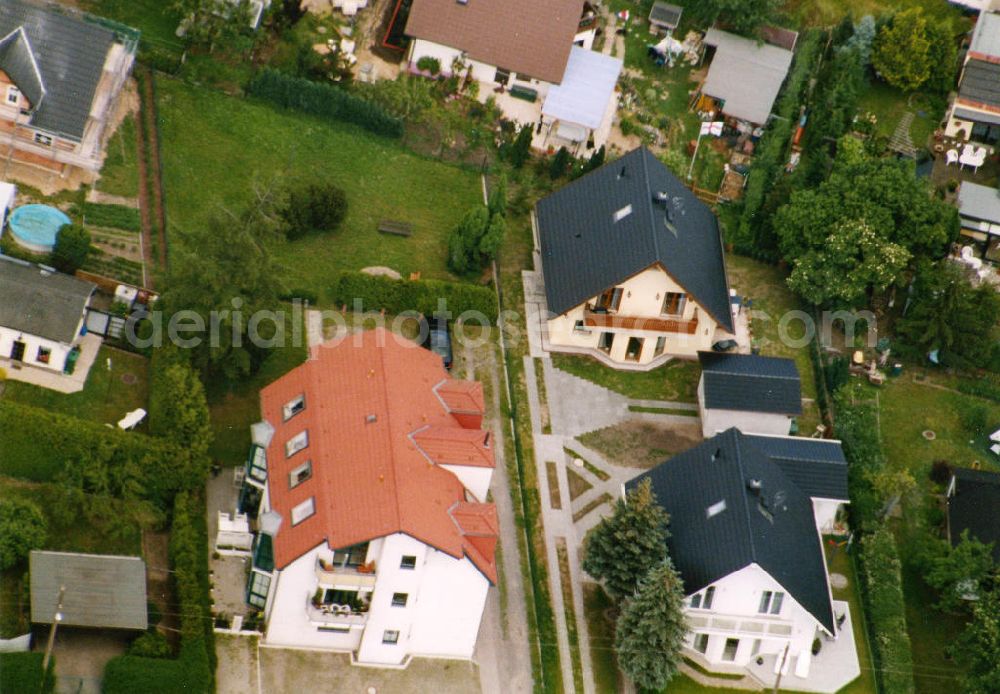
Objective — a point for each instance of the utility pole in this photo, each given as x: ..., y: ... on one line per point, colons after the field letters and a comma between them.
x: 56, y: 618
x: 784, y: 658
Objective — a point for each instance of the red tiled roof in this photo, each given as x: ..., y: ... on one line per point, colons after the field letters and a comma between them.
x: 452, y: 446
x: 462, y: 396
x: 365, y: 396
x: 530, y: 37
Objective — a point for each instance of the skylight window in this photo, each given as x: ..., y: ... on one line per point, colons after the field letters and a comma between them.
x: 623, y: 213
x: 715, y: 509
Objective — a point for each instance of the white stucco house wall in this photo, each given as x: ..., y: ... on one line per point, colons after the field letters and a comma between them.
x: 746, y: 539
x: 369, y: 476
x: 42, y: 315
x: 534, y: 59
x: 755, y: 394
x: 633, y: 266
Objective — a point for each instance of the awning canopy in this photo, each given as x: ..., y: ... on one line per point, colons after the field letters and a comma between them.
x: 586, y: 88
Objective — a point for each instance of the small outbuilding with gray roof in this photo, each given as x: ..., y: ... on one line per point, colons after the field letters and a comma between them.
x: 974, y: 113
x: 97, y: 590
x: 755, y: 394
x: 42, y: 314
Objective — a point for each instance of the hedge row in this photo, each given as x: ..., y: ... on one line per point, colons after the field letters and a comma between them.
x: 882, y: 585
x: 22, y: 672
x: 323, y: 100
x: 772, y: 152
x: 980, y: 389
x: 193, y: 670
x: 114, y: 216
x: 373, y: 293
x: 42, y: 446
x: 857, y: 429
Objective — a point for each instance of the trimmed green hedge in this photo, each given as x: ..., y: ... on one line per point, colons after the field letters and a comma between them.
x: 857, y: 428
x: 396, y: 296
x: 114, y: 216
x: 194, y: 670
x: 42, y: 446
x: 883, y: 591
x: 22, y: 672
x: 323, y: 100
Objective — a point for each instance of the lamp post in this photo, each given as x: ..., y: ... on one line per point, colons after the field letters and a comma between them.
x: 56, y: 618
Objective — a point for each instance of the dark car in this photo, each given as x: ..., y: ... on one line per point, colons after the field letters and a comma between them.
x: 724, y: 346
x: 438, y: 338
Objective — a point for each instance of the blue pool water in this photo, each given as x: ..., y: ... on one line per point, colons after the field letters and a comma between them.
x: 36, y: 226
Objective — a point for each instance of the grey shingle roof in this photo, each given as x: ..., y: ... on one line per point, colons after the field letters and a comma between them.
x: 39, y: 302
x: 974, y: 507
x: 773, y: 527
x: 18, y: 60
x: 101, y: 590
x: 816, y: 466
x: 745, y: 74
x: 70, y: 54
x: 981, y: 82
x: 584, y: 251
x: 978, y: 202
x: 751, y: 383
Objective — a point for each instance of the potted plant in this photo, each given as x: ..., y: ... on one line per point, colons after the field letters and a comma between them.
x: 317, y: 597
x: 368, y: 568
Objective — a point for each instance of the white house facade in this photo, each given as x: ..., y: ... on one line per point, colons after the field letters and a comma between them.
x: 42, y: 315
x: 375, y: 537
x: 633, y: 266
x: 755, y: 394
x: 747, y: 516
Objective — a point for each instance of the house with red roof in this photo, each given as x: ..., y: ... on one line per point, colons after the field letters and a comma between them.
x: 368, y: 479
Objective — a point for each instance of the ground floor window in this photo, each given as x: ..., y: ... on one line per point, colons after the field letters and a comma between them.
x: 985, y: 132
x: 390, y: 636
x: 44, y: 354
x: 502, y: 76
x: 606, y: 342
x: 701, y: 642
x: 634, y: 349
x: 661, y: 344
x: 729, y: 651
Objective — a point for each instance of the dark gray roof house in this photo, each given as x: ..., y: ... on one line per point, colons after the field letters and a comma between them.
x: 588, y: 245
x: 40, y: 301
x: 98, y: 590
x: 766, y: 518
x: 974, y: 505
x: 56, y: 60
x: 750, y: 383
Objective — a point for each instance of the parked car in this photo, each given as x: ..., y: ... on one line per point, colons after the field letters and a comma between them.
x: 725, y: 346
x: 438, y: 338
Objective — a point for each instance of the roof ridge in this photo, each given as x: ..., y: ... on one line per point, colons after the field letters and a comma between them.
x: 384, y: 393
x: 735, y: 435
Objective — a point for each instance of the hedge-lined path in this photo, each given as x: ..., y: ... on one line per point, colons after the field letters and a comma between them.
x: 150, y: 179
x: 145, y: 224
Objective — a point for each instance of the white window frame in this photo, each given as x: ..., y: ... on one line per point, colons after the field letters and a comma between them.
x: 303, y: 511
x: 771, y: 602
x: 13, y: 95
x: 293, y: 407
x: 390, y: 637
x: 293, y: 476
x: 297, y: 443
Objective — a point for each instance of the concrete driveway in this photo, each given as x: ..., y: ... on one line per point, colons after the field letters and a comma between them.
x: 80, y: 656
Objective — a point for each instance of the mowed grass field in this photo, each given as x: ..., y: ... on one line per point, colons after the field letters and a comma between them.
x: 218, y: 150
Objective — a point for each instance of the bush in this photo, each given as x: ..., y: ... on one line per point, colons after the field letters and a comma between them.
x: 323, y: 100
x: 882, y: 588
x: 314, y: 207
x: 22, y: 672
x: 115, y: 216
x: 422, y: 296
x: 941, y: 472
x: 429, y: 64
x: 301, y: 294
x: 857, y: 428
x: 152, y: 644
x: 22, y: 529
x: 71, y: 249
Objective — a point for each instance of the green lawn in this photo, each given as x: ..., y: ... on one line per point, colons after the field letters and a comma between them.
x: 106, y: 396
x: 120, y: 174
x: 888, y: 104
x: 838, y: 561
x: 217, y: 149
x: 765, y: 285
x: 677, y: 380
x: 152, y: 17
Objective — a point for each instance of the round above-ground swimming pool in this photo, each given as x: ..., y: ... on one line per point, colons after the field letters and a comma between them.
x: 35, y: 226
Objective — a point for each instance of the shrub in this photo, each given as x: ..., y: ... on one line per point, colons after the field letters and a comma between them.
x: 22, y: 529
x: 882, y: 586
x: 422, y: 296
x: 71, y: 249
x: 941, y: 472
x: 152, y: 644
x: 302, y: 294
x: 323, y: 100
x: 857, y: 428
x: 429, y: 64
x: 311, y: 208
x: 22, y: 672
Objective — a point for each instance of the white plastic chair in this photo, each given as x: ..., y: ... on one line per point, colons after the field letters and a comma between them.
x: 951, y: 157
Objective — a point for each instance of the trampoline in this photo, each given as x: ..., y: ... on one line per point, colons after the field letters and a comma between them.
x: 35, y: 226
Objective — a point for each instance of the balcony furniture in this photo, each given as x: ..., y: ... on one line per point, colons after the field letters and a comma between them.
x: 951, y: 157
x: 131, y: 419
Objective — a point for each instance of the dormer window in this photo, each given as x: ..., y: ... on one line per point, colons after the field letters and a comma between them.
x: 297, y: 443
x: 13, y: 95
x: 293, y: 407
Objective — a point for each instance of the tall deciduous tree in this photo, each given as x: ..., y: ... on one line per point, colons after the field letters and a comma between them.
x: 627, y: 544
x: 957, y: 572
x: 650, y: 631
x: 857, y: 231
x: 72, y: 248
x: 902, y: 55
x: 22, y: 529
x: 742, y: 16
x: 979, y: 647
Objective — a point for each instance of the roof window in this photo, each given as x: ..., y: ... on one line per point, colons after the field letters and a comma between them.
x: 623, y: 213
x: 715, y: 509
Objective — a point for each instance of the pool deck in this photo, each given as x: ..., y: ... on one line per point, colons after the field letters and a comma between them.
x: 59, y: 382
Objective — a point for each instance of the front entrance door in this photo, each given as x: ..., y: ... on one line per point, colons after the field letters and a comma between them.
x: 17, y: 351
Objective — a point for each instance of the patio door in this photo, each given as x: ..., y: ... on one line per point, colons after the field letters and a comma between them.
x: 17, y: 351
